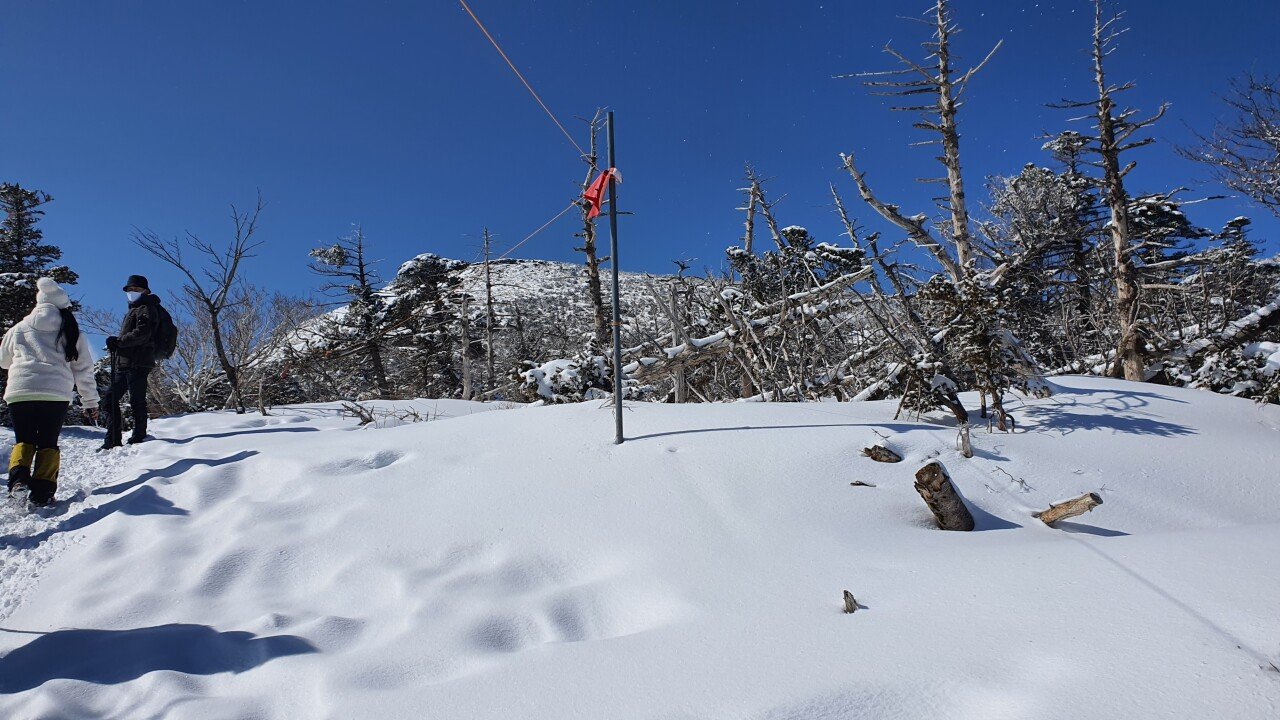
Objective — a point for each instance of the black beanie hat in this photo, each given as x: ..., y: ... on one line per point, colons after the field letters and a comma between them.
x: 137, y: 281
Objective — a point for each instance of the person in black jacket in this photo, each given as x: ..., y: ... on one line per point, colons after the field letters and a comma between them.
x: 134, y: 351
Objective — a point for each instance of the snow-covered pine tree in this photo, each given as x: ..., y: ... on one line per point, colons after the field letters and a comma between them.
x: 1164, y: 243
x: 425, y: 316
x: 803, y: 351
x: 1223, y: 330
x: 358, y: 330
x: 1229, y: 279
x: 24, y: 257
x: 974, y: 339
x: 1043, y: 232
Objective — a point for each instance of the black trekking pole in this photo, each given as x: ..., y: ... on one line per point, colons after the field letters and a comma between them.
x: 113, y: 410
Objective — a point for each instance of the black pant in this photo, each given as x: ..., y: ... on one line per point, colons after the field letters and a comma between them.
x: 134, y: 382
x: 38, y: 422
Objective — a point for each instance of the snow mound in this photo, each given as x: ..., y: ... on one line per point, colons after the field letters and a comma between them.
x: 515, y: 563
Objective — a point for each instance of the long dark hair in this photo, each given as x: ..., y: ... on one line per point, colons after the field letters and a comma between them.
x: 70, y: 335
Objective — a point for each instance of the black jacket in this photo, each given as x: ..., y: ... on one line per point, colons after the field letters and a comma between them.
x: 136, y: 344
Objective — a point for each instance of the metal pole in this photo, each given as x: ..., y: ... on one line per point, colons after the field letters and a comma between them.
x: 617, y: 312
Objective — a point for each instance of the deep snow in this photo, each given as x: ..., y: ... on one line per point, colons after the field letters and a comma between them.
x: 516, y: 564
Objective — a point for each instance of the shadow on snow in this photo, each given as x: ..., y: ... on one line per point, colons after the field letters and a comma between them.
x: 107, y: 657
x: 142, y: 501
x: 236, y: 433
x: 174, y: 470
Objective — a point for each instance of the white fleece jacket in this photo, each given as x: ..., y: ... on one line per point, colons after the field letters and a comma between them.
x: 38, y: 367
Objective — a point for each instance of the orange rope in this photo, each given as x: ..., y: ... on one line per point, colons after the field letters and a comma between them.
x: 527, y: 86
x: 535, y: 232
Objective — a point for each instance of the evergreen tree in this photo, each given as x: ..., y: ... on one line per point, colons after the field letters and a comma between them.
x: 23, y: 259
x: 23, y: 255
x: 1044, y: 229
x: 359, y: 329
x: 426, y: 311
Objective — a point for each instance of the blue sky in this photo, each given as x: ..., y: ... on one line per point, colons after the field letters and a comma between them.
x: 399, y: 116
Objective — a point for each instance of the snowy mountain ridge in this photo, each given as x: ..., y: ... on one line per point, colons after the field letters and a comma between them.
x: 551, y: 282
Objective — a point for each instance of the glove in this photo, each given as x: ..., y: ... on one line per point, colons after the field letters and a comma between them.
x: 113, y: 343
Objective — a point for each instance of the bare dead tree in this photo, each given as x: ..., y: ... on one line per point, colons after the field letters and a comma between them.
x: 752, y: 191
x: 191, y: 375
x: 99, y: 321
x: 211, y: 279
x: 764, y: 206
x: 933, y: 77
x: 950, y: 242
x: 262, y: 324
x: 1244, y: 153
x: 257, y: 324
x: 595, y: 291
x: 1115, y: 130
x: 897, y: 317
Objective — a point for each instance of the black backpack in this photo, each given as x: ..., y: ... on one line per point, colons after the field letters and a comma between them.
x: 166, y: 334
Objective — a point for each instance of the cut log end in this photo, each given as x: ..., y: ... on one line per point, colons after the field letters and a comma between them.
x: 850, y: 604
x: 880, y: 453
x: 1069, y: 508
x: 949, y: 510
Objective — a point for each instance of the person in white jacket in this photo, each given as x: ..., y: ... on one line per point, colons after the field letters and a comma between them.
x: 47, y: 358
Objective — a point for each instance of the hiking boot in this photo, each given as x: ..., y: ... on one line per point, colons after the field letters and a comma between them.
x: 134, y: 440
x: 41, y: 491
x: 19, y: 478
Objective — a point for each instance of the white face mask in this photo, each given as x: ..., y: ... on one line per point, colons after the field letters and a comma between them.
x: 133, y: 296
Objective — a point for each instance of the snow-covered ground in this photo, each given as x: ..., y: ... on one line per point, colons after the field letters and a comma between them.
x: 516, y: 564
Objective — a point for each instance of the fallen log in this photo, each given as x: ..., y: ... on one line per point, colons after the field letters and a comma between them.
x: 880, y: 453
x: 934, y: 486
x: 1069, y: 508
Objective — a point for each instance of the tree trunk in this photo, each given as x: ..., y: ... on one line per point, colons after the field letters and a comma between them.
x: 489, y: 316
x: 1129, y: 349
x: 595, y: 292
x: 951, y: 144
x: 681, y: 336
x: 466, y: 353
x: 379, y: 370
x: 233, y: 376
x: 934, y: 486
x: 1070, y: 508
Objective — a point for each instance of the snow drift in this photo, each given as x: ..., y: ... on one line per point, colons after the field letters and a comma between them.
x: 515, y: 563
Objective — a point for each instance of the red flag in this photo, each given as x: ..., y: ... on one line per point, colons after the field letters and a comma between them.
x: 594, y: 194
